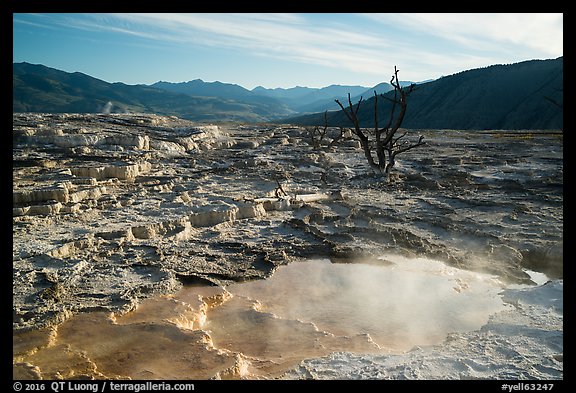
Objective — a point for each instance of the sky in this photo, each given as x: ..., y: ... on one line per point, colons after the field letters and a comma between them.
x: 279, y: 49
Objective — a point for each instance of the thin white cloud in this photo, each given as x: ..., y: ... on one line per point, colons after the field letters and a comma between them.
x: 19, y: 19
x: 541, y: 33
x: 258, y: 30
x: 422, y: 45
x: 279, y: 36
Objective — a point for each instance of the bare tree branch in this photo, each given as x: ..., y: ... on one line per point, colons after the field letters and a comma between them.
x: 364, y: 141
x: 387, y: 144
x: 419, y: 143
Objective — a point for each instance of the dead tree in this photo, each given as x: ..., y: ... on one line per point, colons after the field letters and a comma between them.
x: 386, y: 143
x: 317, y: 135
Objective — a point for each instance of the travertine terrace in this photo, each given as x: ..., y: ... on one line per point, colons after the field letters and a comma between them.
x: 109, y: 209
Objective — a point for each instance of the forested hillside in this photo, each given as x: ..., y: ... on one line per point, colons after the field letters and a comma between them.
x: 526, y: 95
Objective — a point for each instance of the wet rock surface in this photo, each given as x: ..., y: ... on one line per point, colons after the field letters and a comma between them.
x: 109, y: 210
x: 524, y: 342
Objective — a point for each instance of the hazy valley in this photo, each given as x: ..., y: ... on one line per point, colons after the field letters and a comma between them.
x: 526, y: 95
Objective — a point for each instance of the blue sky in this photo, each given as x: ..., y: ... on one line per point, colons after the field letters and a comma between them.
x: 282, y: 50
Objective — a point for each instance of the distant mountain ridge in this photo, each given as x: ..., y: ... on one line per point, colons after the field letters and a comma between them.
x: 199, y: 88
x: 330, y: 104
x: 225, y: 91
x: 525, y: 95
x: 37, y: 88
x: 315, y: 97
x: 307, y: 99
x: 304, y: 99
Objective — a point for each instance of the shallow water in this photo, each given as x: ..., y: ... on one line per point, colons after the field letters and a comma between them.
x: 398, y: 302
x: 259, y: 329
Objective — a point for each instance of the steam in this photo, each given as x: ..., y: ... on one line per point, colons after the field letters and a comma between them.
x: 305, y: 310
x: 412, y: 302
x: 107, y: 108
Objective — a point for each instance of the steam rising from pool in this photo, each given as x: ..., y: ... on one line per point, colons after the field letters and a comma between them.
x: 398, y: 302
x: 262, y: 328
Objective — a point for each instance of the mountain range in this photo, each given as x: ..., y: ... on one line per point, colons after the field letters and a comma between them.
x: 37, y: 88
x: 526, y: 95
x: 298, y: 99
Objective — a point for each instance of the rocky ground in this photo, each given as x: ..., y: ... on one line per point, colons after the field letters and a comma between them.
x: 109, y: 210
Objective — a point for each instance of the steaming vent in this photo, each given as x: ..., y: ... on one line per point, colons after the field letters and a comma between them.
x: 107, y: 108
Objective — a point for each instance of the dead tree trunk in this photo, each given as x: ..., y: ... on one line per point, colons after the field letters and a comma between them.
x: 317, y: 135
x: 386, y: 144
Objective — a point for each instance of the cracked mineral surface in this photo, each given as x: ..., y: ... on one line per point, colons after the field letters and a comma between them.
x: 116, y: 214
